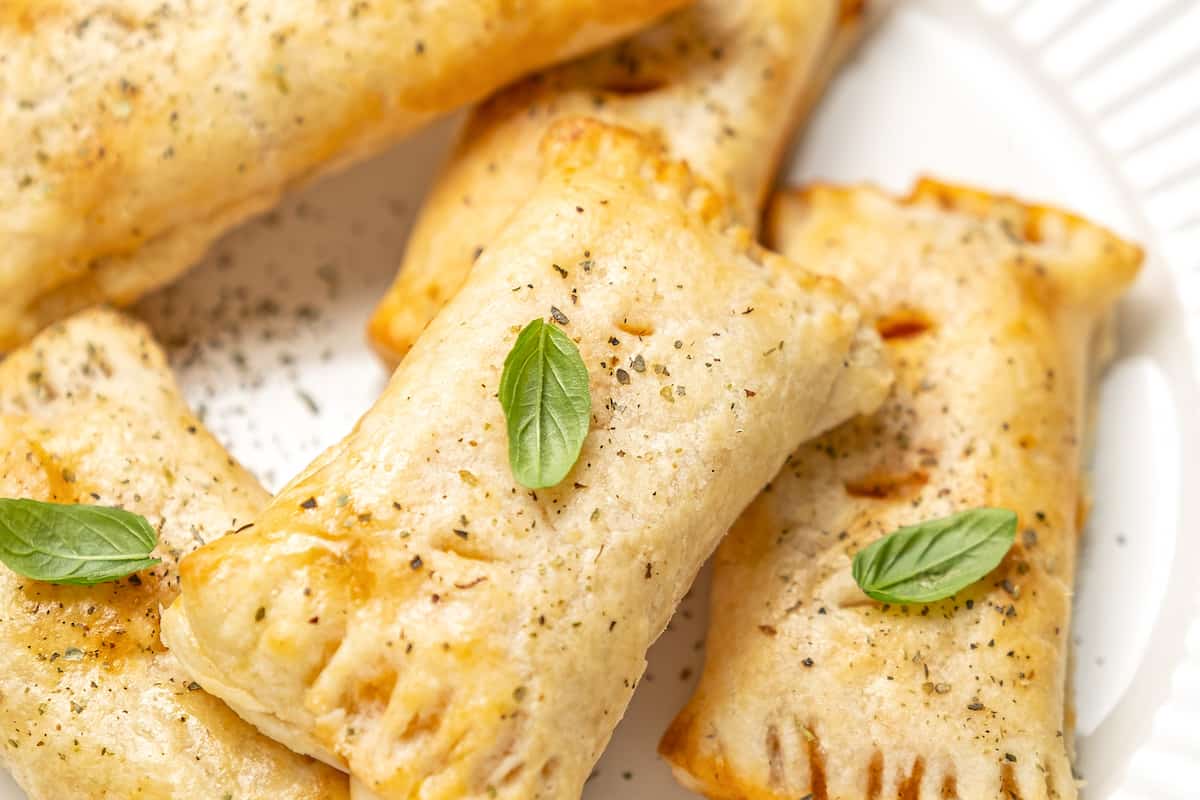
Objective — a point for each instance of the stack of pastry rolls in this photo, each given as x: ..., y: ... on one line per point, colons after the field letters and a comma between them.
x: 448, y: 665
x: 406, y: 611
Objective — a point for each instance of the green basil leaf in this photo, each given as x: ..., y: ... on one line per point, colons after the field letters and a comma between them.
x: 80, y: 545
x: 547, y: 403
x: 936, y: 558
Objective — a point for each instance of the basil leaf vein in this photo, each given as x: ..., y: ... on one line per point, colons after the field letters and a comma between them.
x: 933, y: 559
x: 73, y: 544
x: 547, y: 404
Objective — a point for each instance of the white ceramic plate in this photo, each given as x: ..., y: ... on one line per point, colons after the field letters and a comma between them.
x: 1091, y: 104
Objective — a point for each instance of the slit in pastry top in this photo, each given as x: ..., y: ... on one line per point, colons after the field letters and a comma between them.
x: 93, y: 705
x: 136, y: 133
x: 994, y: 314
x: 720, y: 84
x: 404, y: 610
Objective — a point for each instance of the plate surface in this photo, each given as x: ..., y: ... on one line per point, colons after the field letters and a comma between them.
x: 1089, y: 104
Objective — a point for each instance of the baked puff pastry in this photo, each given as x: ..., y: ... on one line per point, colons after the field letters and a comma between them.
x: 404, y: 610
x: 994, y: 314
x: 91, y: 703
x: 137, y: 131
x: 721, y: 84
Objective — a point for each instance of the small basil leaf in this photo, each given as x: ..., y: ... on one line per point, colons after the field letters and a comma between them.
x: 934, y: 559
x: 547, y: 403
x: 73, y: 544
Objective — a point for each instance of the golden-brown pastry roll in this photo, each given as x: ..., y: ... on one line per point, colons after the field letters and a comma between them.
x: 994, y: 314
x: 135, y: 132
x: 91, y: 703
x: 405, y: 610
x: 721, y: 84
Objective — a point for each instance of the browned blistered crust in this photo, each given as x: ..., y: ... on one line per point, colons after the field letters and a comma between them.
x: 721, y: 85
x: 434, y: 627
x: 135, y: 133
x: 91, y: 703
x: 993, y: 311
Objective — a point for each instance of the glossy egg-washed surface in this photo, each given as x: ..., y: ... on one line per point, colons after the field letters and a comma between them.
x: 993, y: 313
x: 720, y: 84
x: 404, y: 608
x: 91, y: 703
x: 136, y: 131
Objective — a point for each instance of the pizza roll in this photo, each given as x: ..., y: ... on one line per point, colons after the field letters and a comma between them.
x: 994, y: 313
x: 406, y: 611
x: 136, y: 132
x: 91, y: 703
x: 721, y: 84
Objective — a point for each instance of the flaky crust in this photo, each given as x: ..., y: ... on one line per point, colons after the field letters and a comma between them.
x: 404, y: 609
x: 91, y: 704
x: 720, y: 85
x: 136, y: 131
x: 991, y: 311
